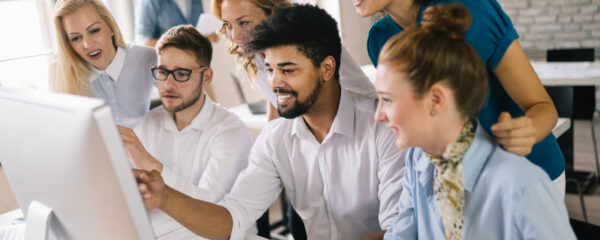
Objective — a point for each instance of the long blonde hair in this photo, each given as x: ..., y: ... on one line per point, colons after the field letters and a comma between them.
x: 247, y: 62
x: 73, y: 71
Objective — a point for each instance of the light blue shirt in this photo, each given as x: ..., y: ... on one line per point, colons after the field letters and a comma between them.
x: 126, y: 83
x: 506, y: 197
x: 155, y: 17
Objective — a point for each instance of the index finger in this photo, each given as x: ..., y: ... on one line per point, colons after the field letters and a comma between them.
x: 137, y: 173
x: 511, y: 124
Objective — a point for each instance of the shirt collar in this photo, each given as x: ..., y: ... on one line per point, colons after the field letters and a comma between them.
x: 343, y: 123
x: 200, y: 122
x: 426, y: 168
x: 114, y: 68
x: 473, y: 161
x: 476, y: 157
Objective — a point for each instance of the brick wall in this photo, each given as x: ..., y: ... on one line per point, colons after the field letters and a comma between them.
x: 547, y: 24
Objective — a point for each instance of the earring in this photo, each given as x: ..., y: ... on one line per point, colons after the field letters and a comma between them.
x: 433, y: 112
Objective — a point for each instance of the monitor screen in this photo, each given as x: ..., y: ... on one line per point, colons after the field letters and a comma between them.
x: 65, y: 152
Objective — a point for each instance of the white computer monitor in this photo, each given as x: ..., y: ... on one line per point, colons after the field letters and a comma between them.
x: 64, y: 152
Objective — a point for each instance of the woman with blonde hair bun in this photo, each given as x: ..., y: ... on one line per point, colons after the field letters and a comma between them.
x: 459, y: 183
x: 93, y: 60
x: 240, y: 16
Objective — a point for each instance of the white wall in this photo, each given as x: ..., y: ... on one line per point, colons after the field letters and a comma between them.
x: 354, y: 31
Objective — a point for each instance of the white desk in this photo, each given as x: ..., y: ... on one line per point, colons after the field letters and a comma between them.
x: 551, y: 74
x: 562, y: 125
x: 254, y: 121
x: 568, y: 73
x: 13, y: 217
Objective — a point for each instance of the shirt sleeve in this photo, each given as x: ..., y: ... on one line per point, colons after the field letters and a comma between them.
x: 491, y: 32
x: 353, y: 78
x: 382, y: 30
x: 390, y: 172
x: 257, y: 187
x: 540, y: 213
x: 373, y: 48
x: 146, y: 21
x: 405, y: 226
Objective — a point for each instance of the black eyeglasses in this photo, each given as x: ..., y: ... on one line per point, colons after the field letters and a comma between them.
x: 180, y: 74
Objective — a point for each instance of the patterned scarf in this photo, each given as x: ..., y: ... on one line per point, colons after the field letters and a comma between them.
x: 448, y: 185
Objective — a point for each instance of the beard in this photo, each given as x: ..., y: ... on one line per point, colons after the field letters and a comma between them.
x: 187, y: 102
x: 299, y: 108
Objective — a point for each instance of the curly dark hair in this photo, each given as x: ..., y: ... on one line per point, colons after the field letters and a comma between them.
x: 308, y: 27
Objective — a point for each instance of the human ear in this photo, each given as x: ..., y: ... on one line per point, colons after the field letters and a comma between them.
x: 437, y: 98
x: 207, y: 77
x: 328, y: 68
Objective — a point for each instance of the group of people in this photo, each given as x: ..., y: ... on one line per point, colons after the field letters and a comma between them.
x: 451, y: 142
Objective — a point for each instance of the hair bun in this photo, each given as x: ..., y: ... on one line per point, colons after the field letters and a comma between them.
x: 453, y: 19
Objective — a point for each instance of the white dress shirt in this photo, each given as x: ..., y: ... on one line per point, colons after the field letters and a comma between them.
x: 202, y: 160
x: 352, y: 78
x: 346, y: 187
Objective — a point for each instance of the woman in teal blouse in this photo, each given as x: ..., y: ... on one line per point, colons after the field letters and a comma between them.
x: 518, y: 111
x: 459, y: 183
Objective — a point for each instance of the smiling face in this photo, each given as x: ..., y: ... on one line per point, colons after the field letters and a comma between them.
x: 365, y: 8
x: 294, y: 79
x: 404, y: 112
x: 178, y: 96
x: 90, y: 36
x: 239, y: 17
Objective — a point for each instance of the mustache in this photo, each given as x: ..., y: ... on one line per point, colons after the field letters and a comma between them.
x: 167, y: 92
x: 284, y: 91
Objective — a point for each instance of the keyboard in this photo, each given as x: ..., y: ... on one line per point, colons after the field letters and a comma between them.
x: 12, y: 232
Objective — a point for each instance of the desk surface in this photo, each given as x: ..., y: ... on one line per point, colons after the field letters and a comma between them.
x: 11, y: 217
x: 253, y: 121
x: 562, y: 125
x: 551, y: 74
x: 568, y: 73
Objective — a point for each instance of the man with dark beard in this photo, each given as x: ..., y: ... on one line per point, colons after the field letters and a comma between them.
x: 340, y: 169
x: 197, y: 146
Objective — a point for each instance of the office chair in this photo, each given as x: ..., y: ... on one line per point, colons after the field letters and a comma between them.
x: 290, y: 222
x: 155, y: 103
x: 584, y: 230
x: 262, y: 224
x: 574, y: 103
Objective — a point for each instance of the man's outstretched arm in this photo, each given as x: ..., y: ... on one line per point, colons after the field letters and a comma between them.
x: 206, y: 219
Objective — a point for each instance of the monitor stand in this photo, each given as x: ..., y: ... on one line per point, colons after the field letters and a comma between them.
x: 38, y: 221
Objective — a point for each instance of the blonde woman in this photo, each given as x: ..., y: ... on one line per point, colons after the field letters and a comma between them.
x: 93, y: 60
x: 240, y: 16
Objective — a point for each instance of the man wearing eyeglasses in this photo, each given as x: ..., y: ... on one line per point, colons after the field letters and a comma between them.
x: 198, y: 147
